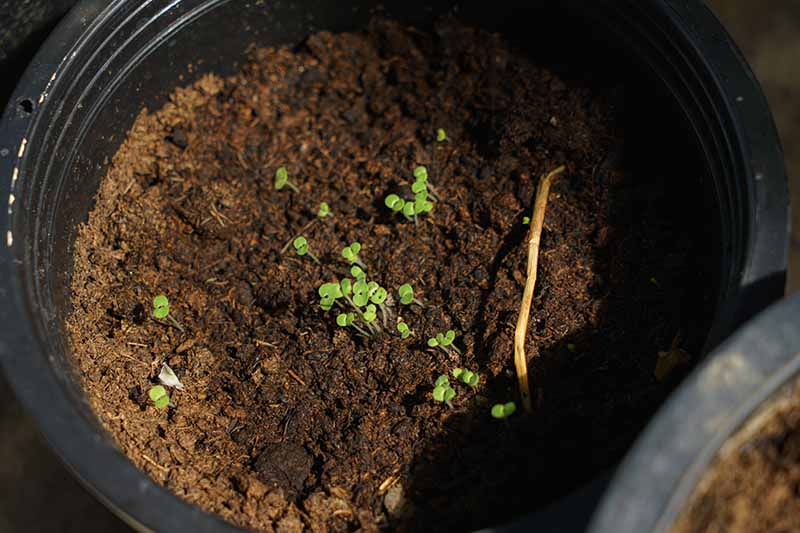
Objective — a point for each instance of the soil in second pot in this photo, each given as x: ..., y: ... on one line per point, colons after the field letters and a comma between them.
x: 289, y: 421
x: 754, y: 484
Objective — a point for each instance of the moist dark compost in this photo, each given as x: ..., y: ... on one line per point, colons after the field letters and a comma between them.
x: 289, y: 421
x: 754, y: 484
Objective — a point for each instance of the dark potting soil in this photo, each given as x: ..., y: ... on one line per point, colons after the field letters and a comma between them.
x: 753, y: 486
x: 288, y: 420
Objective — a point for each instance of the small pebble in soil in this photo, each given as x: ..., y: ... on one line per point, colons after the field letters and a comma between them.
x: 395, y: 501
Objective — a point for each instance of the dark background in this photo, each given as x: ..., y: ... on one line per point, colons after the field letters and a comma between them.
x: 37, y: 494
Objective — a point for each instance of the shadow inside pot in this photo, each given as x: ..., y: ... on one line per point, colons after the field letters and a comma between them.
x: 653, y: 287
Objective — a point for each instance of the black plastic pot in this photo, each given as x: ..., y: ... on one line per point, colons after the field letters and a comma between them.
x: 747, y: 372
x: 107, y: 60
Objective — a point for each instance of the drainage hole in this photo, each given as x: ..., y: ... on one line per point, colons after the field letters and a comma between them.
x: 26, y: 106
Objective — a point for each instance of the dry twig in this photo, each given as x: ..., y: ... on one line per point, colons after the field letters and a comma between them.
x: 302, y: 230
x: 537, y: 220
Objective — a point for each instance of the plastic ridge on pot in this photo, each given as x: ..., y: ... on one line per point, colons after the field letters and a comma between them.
x: 108, y: 59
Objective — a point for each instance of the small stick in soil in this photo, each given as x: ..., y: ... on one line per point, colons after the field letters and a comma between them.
x: 155, y: 464
x: 324, y: 211
x: 132, y: 359
x: 302, y: 230
x: 537, y: 220
x: 296, y: 377
x: 387, y: 484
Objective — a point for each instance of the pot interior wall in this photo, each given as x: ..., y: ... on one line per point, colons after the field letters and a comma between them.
x: 136, y: 57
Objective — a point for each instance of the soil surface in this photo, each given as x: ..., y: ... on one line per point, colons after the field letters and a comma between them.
x: 288, y: 421
x: 754, y: 484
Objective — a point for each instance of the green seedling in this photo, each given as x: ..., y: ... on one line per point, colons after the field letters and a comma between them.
x: 421, y: 202
x: 161, y: 310
x: 361, y: 292
x: 402, y: 327
x: 328, y: 294
x: 358, y: 294
x: 357, y: 272
x: 351, y: 254
x: 345, y: 319
x: 160, y: 306
x: 441, y: 135
x: 301, y: 247
x: 372, y: 288
x: 526, y: 221
x: 442, y: 391
x: 331, y: 290
x: 348, y: 319
x: 420, y: 190
x: 370, y: 314
x: 421, y: 193
x: 503, y: 410
x: 394, y: 202
x: 377, y: 294
x: 406, y: 293
x: 419, y: 187
x: 324, y: 210
x: 398, y: 205
x: 282, y: 180
x: 346, y: 287
x: 364, y: 297
x: 409, y: 211
x: 467, y: 376
x: 444, y: 341
x: 421, y: 183
x: 158, y: 395
x: 378, y: 297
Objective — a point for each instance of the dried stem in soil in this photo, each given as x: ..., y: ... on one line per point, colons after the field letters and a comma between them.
x: 537, y: 220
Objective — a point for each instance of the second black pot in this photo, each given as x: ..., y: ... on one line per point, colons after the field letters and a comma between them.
x: 657, y: 479
x: 107, y: 60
